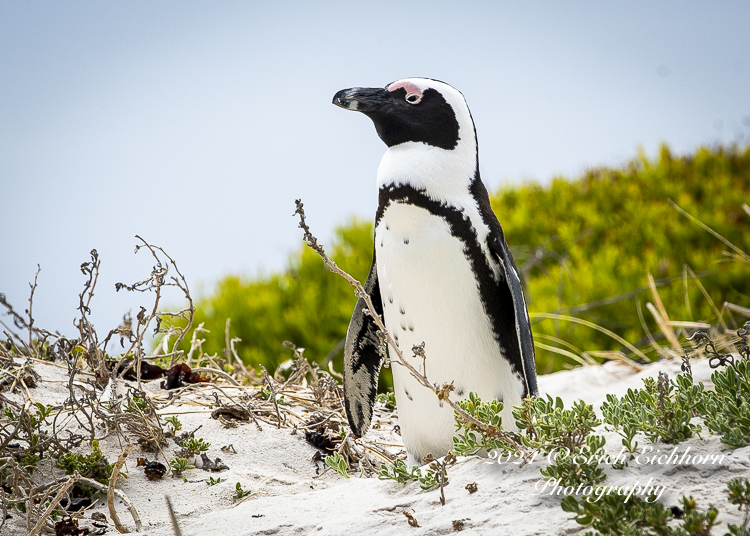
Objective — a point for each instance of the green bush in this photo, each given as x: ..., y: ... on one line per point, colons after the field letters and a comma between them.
x: 611, y: 516
x: 664, y: 410
x: 94, y: 466
x: 657, y: 410
x: 577, y: 242
x: 602, y: 234
x: 726, y: 410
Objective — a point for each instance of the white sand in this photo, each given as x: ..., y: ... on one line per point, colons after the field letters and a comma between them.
x: 288, y: 497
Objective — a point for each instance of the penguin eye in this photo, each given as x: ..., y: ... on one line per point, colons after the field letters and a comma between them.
x: 413, y: 93
x: 413, y: 98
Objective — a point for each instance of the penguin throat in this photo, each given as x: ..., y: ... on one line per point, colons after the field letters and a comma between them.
x: 444, y: 176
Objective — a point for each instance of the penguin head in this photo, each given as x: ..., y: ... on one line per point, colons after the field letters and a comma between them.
x: 413, y: 110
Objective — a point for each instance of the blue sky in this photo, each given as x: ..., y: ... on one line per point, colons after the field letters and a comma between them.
x: 197, y: 124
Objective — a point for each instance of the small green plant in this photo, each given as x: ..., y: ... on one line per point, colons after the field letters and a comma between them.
x: 42, y: 412
x: 179, y: 465
x: 548, y: 425
x: 469, y: 440
x: 239, y: 493
x: 620, y: 418
x: 431, y: 480
x: 663, y: 410
x: 580, y: 466
x: 338, y: 462
x: 266, y: 392
x: 565, y: 433
x: 194, y: 446
x: 611, y: 516
x: 654, y: 410
x: 398, y: 472
x: 94, y: 466
x: 387, y: 399
x: 136, y: 404
x: 726, y: 410
x: 739, y: 494
x: 174, y: 424
x: 30, y: 460
x: 31, y: 432
x: 212, y: 482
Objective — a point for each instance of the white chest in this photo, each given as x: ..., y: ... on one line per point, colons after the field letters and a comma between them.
x: 430, y: 294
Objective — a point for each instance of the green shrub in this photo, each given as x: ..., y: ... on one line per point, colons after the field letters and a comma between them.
x: 664, y: 410
x: 655, y: 411
x: 611, y: 516
x: 602, y: 234
x: 428, y: 480
x: 94, y: 466
x: 726, y: 410
x: 548, y: 425
x: 468, y: 441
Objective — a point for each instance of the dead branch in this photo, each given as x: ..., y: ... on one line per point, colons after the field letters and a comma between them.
x: 273, y: 395
x: 40, y: 523
x: 155, y: 282
x: 31, y: 306
x: 121, y: 496
x: 111, y: 489
x: 230, y: 352
x: 196, y: 344
x: 173, y: 518
x: 312, y: 242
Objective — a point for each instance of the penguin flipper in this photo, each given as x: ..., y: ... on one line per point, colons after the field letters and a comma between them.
x: 520, y: 313
x: 363, y: 355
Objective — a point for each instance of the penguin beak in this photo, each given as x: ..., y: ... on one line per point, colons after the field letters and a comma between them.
x: 362, y: 99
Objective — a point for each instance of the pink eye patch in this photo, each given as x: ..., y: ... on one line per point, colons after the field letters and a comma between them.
x: 413, y: 93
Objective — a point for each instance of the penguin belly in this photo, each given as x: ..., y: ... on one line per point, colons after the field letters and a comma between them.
x: 430, y: 294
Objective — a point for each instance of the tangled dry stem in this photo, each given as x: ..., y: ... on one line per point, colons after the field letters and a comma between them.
x: 87, y: 415
x: 83, y: 407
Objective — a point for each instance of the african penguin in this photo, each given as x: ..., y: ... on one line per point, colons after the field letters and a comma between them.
x: 441, y: 271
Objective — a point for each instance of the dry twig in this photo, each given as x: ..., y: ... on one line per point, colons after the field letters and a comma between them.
x: 111, y: 489
x: 40, y: 524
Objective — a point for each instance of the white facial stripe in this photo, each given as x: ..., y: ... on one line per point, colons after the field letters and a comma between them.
x: 444, y: 175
